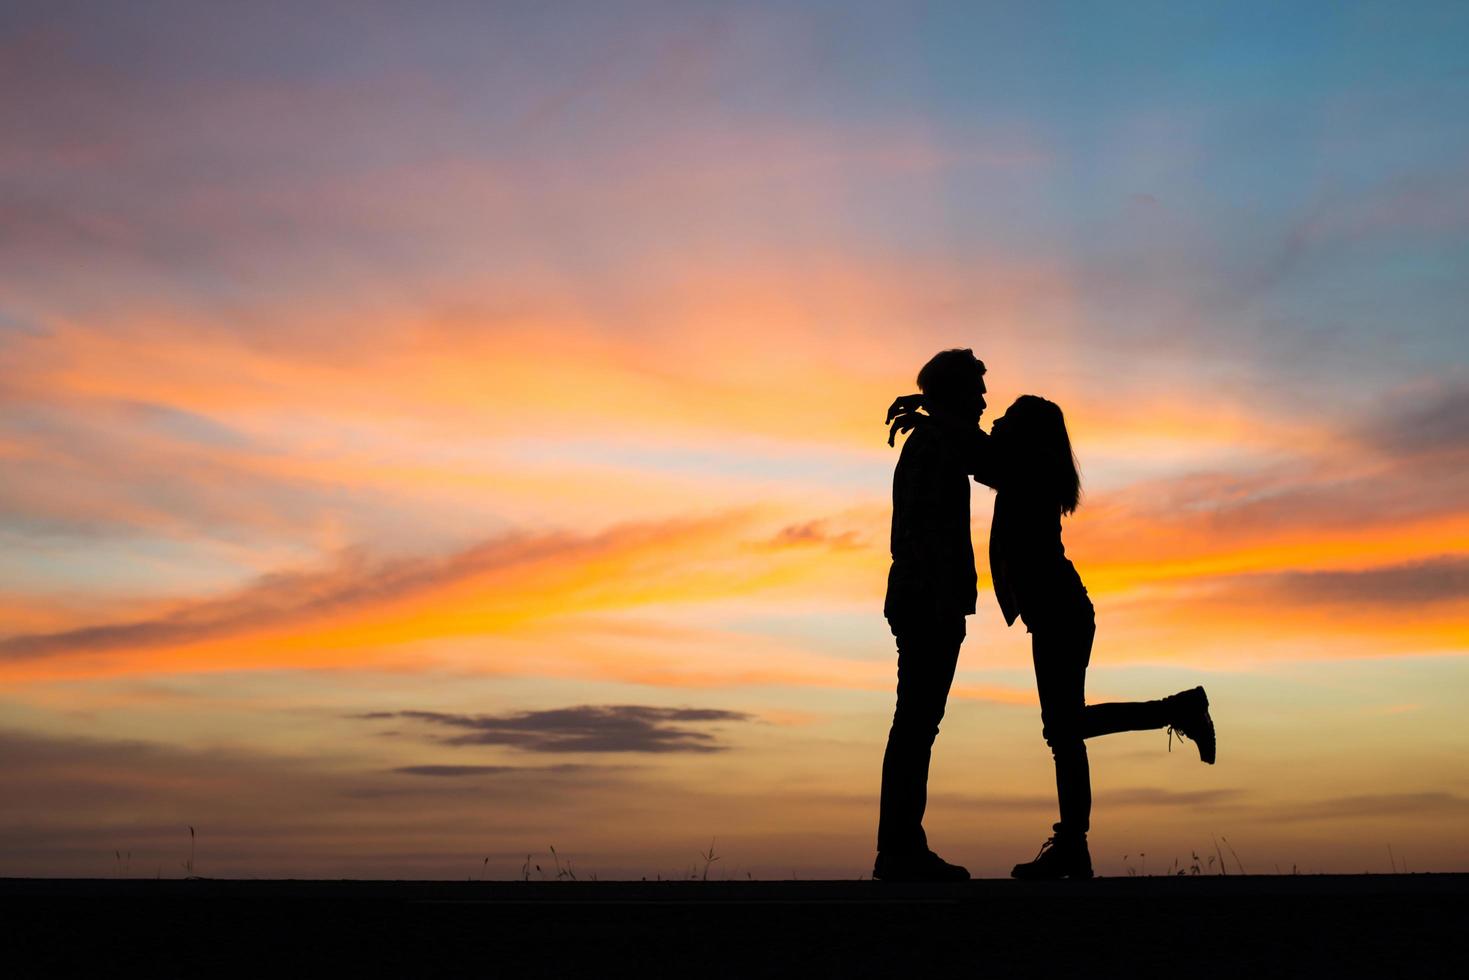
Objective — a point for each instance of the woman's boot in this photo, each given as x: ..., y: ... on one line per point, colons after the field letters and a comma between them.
x: 1188, y: 716
x: 1064, y: 855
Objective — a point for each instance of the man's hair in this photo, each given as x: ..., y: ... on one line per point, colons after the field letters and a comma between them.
x: 949, y: 372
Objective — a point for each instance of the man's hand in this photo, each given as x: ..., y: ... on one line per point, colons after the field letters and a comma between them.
x: 908, y: 418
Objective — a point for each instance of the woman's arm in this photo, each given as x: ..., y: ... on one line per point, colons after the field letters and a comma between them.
x: 979, y: 459
x: 903, y: 415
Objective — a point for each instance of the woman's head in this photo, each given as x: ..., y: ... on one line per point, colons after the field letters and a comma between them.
x: 1032, y: 433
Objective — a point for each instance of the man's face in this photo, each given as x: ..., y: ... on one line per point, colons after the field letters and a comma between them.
x: 963, y: 402
x: 972, y: 401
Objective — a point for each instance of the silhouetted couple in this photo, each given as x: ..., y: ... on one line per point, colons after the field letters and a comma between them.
x: 1027, y: 460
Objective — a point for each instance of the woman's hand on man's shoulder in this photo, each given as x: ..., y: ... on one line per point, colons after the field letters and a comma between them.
x: 904, y: 415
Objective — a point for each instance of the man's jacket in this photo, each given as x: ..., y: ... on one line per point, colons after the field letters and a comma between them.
x: 933, y: 559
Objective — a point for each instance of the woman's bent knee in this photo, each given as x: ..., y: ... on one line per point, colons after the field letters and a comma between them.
x: 1065, y: 745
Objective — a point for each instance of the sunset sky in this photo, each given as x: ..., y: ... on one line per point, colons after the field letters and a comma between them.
x: 433, y: 433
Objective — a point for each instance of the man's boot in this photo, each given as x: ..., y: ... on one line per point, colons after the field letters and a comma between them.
x: 1188, y: 716
x: 923, y: 865
x: 1064, y: 855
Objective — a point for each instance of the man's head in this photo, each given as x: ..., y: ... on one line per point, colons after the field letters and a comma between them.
x: 952, y: 383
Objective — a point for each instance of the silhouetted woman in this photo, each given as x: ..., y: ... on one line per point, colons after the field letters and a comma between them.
x: 1027, y: 459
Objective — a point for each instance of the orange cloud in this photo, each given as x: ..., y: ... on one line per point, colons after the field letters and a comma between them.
x: 359, y: 608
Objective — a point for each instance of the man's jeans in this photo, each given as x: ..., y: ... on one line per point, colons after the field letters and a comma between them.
x: 1061, y: 653
x: 928, y: 650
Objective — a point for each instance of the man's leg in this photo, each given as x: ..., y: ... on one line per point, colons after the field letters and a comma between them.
x: 927, y: 654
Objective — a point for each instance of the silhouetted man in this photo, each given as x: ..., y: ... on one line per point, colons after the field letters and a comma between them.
x: 931, y: 588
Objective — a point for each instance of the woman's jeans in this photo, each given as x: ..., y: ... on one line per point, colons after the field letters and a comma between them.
x: 1061, y: 652
x: 928, y: 650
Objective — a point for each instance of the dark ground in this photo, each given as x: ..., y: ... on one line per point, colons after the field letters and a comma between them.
x: 1388, y: 925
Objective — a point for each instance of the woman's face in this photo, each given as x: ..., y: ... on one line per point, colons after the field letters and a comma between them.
x: 1000, y: 426
x: 1014, y: 429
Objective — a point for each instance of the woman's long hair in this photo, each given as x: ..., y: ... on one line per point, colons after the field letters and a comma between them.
x: 1040, y: 449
